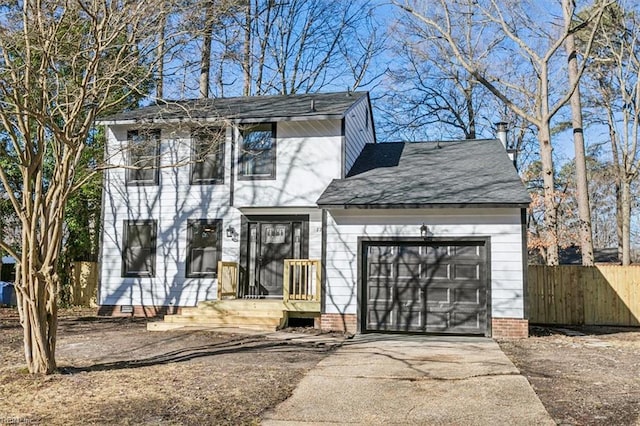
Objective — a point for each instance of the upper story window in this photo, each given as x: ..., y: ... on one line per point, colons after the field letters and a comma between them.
x: 143, y: 157
x: 139, y: 254
x: 207, y: 151
x: 258, y: 152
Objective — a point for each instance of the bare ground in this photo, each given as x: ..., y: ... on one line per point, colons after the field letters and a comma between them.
x: 115, y: 372
x: 112, y: 371
x: 583, y: 375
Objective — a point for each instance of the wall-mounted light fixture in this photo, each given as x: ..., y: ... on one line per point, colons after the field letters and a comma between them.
x: 424, y: 231
x: 232, y: 233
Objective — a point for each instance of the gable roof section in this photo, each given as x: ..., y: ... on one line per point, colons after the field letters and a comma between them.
x: 243, y: 109
x: 429, y: 174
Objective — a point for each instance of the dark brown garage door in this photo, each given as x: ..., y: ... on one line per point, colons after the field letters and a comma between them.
x: 426, y: 287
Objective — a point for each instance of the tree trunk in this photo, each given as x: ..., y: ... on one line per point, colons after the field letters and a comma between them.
x: 582, y: 189
x: 626, y: 222
x: 471, y: 113
x: 550, y: 204
x: 205, y: 56
x: 160, y: 59
x: 246, y: 60
x: 38, y: 316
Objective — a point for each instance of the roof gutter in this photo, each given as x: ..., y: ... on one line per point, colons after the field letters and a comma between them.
x: 423, y: 206
x: 107, y: 122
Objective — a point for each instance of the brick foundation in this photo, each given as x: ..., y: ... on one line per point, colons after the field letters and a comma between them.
x: 509, y: 328
x: 338, y: 322
x: 138, y: 311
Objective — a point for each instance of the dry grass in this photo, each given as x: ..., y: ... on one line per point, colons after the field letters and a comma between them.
x: 115, y: 372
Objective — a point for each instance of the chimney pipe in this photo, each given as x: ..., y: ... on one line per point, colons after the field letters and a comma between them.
x: 501, y: 133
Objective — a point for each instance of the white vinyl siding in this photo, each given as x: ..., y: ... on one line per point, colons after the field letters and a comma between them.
x: 172, y: 204
x: 358, y: 131
x: 174, y: 201
x: 502, y: 226
x: 307, y: 159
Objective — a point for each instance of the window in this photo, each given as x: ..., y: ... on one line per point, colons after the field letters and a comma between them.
x: 143, y: 152
x: 258, y: 152
x: 207, y: 166
x: 204, y: 247
x: 139, y: 254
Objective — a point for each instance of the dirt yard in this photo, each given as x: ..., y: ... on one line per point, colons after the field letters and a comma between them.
x: 115, y: 372
x: 583, y: 376
x: 112, y: 371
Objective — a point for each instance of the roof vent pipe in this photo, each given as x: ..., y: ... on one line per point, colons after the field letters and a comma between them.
x: 313, y: 105
x: 501, y: 133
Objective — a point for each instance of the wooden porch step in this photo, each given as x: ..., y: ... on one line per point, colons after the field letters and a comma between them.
x: 242, y: 304
x: 253, y: 314
x: 258, y: 315
x: 228, y: 320
x: 168, y: 326
x: 216, y: 312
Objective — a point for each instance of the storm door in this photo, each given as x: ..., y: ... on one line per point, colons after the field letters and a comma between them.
x: 269, y: 243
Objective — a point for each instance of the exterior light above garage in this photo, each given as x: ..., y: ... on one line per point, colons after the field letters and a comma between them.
x: 424, y: 231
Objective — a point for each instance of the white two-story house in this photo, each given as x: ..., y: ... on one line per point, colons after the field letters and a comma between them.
x: 256, y: 211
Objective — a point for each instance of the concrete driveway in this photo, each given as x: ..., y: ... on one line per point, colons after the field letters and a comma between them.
x: 390, y: 379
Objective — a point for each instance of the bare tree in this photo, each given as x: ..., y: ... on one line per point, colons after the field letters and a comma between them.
x: 518, y: 70
x: 615, y: 82
x: 61, y: 65
x: 582, y: 188
x: 295, y: 46
x: 429, y: 95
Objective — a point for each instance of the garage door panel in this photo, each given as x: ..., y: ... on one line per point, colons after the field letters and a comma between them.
x: 407, y: 294
x: 379, y: 319
x: 410, y: 319
x: 465, y: 321
x: 381, y: 252
x: 439, y: 271
x: 468, y: 296
x: 381, y: 270
x: 427, y: 288
x: 408, y: 270
x: 438, y: 295
x: 466, y: 252
x: 437, y: 321
x: 410, y: 254
x: 466, y: 271
x: 381, y: 293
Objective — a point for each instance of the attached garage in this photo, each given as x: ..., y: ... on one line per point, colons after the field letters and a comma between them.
x: 427, y: 238
x: 417, y: 286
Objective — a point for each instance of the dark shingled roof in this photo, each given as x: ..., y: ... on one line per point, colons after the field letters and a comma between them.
x: 423, y: 174
x: 274, y: 108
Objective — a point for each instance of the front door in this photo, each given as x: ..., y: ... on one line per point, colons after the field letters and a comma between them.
x: 270, y: 242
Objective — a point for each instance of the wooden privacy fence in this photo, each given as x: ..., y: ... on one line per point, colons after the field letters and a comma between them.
x: 84, y: 284
x: 590, y: 295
